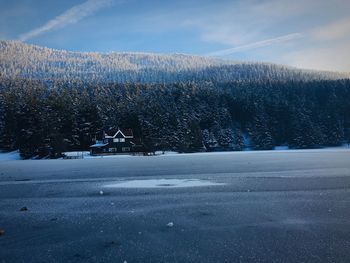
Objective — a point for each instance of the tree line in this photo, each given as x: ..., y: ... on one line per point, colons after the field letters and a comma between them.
x: 45, y: 118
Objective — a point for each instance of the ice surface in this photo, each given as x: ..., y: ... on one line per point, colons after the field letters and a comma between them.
x: 163, y: 183
x: 268, y: 196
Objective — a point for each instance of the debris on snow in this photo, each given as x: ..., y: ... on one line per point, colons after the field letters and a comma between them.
x: 24, y: 208
x: 2, y: 232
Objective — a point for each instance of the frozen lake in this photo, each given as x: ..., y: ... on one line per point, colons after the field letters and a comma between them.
x: 274, y: 206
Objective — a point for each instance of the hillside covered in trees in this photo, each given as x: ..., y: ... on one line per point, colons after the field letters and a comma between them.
x: 33, y: 62
x: 53, y: 101
x: 44, y: 119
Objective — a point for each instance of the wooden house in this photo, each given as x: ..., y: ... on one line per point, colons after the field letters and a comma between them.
x: 121, y: 141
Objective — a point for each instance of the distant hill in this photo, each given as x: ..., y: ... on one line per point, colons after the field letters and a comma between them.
x: 18, y: 59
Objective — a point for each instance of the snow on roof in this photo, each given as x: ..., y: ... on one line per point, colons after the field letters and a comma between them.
x: 127, y: 133
x: 96, y: 145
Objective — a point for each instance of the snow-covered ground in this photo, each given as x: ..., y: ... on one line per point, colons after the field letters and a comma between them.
x: 9, y: 156
x: 14, y: 155
x: 86, y: 155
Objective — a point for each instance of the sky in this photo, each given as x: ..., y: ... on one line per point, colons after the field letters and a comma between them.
x: 311, y: 34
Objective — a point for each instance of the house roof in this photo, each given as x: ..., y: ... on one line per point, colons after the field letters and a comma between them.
x: 127, y: 133
x: 96, y: 145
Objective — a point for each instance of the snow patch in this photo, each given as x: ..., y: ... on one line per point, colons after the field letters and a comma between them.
x: 10, y: 156
x: 281, y: 148
x: 163, y: 183
x: 166, y: 153
x: 80, y: 154
x: 170, y: 224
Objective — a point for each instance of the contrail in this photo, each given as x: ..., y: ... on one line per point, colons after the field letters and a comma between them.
x: 70, y: 16
x: 258, y: 44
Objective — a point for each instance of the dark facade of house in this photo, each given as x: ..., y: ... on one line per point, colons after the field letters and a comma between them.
x: 120, y: 141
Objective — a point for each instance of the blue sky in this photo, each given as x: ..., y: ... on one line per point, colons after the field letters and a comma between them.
x: 303, y: 33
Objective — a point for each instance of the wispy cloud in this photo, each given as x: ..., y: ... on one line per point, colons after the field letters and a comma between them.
x: 258, y: 44
x: 325, y: 47
x: 281, y: 31
x: 70, y: 16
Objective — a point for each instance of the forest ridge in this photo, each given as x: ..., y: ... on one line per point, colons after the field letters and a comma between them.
x: 18, y: 59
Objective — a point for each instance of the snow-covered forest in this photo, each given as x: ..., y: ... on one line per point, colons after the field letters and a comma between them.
x: 44, y: 119
x: 21, y: 60
x: 54, y: 101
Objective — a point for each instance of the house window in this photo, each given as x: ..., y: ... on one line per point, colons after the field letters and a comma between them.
x: 126, y: 149
x: 122, y: 140
x: 116, y: 140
